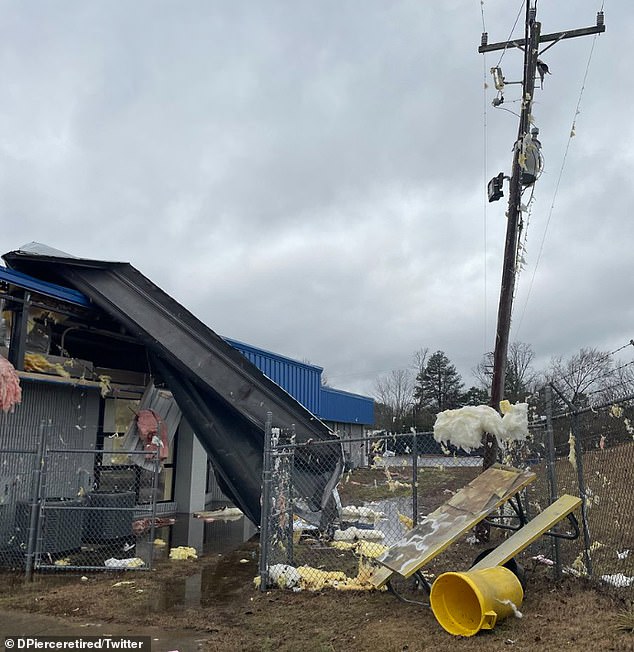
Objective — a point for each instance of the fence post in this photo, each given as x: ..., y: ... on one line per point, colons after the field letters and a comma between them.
x: 155, y: 486
x: 552, y: 472
x: 266, y: 506
x: 580, y: 480
x: 414, y: 479
x: 289, y: 458
x: 36, y: 487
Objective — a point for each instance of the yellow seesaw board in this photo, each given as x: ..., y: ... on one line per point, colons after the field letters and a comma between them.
x: 530, y: 532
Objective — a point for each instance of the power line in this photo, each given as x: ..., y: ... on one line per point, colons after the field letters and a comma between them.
x: 571, y: 135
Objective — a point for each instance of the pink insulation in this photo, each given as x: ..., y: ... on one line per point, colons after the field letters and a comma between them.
x: 10, y: 390
x: 152, y: 432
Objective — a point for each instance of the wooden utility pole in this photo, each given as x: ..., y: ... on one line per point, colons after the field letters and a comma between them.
x: 530, y: 45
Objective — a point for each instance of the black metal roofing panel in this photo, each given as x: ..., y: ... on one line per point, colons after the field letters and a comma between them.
x: 225, y: 397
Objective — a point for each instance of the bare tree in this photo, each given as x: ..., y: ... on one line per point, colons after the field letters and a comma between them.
x: 520, y: 379
x: 395, y: 391
x: 589, y: 371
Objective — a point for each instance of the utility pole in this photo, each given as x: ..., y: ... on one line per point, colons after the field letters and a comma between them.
x: 520, y: 179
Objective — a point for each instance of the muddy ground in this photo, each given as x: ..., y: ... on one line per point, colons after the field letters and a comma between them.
x: 214, y: 599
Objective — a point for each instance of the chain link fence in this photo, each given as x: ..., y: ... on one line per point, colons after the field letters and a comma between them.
x: 587, y: 453
x: 77, y: 509
x: 406, y: 476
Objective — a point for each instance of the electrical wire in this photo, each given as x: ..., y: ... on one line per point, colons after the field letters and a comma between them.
x: 570, y: 376
x: 519, y: 13
x: 485, y: 166
x: 571, y: 135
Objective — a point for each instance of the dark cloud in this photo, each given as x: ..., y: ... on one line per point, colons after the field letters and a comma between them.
x: 309, y: 177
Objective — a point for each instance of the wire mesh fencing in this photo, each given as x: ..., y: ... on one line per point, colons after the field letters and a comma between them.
x: 586, y: 453
x: 589, y: 452
x: 77, y: 509
x: 308, y: 546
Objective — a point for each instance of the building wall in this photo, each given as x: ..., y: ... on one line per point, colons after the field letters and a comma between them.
x: 73, y: 414
x: 301, y: 380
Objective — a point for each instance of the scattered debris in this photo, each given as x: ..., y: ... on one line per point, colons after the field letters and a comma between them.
x: 619, y: 580
x: 224, y: 513
x: 123, y: 583
x: 354, y: 533
x: 368, y: 549
x: 132, y: 562
x: 183, y: 552
x: 543, y: 560
x: 516, y: 611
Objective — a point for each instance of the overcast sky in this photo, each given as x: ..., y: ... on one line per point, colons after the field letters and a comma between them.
x: 309, y: 176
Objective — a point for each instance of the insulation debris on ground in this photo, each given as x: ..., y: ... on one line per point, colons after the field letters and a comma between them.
x: 619, y: 580
x: 183, y: 552
x: 132, y: 562
x: 355, y: 533
x: 308, y: 578
x: 366, y: 514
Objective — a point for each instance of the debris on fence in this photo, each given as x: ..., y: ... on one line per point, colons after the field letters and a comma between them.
x: 572, y: 455
x: 406, y: 521
x: 141, y: 525
x: 183, y: 552
x: 465, y: 426
x: 363, y: 548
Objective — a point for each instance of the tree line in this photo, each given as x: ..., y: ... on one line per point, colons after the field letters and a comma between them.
x: 412, y: 397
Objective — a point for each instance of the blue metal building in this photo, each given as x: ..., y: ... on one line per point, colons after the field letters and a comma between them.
x: 303, y: 382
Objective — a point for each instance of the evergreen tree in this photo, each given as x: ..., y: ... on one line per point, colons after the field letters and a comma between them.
x: 475, y: 396
x: 439, y: 386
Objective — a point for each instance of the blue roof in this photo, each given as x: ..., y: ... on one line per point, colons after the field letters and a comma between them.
x: 43, y: 287
x: 303, y: 382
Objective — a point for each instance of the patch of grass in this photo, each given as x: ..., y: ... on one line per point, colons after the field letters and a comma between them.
x: 368, y: 484
x: 625, y: 620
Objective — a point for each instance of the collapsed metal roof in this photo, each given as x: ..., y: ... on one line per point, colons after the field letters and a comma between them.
x: 224, y: 396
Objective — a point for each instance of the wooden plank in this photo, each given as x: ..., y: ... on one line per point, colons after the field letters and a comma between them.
x: 442, y: 527
x: 530, y: 532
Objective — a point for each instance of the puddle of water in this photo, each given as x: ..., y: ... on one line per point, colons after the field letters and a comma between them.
x: 223, y: 539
